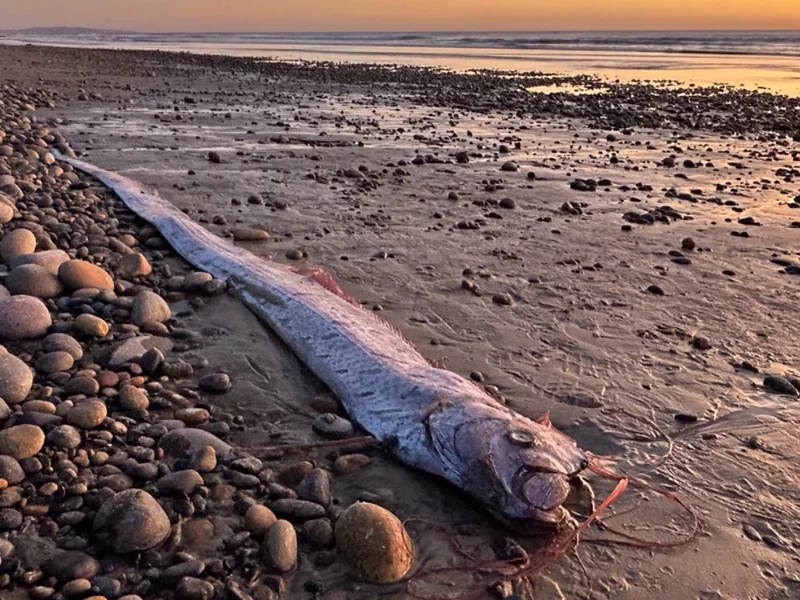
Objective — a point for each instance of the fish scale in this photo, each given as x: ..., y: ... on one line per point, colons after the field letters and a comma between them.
x: 429, y: 418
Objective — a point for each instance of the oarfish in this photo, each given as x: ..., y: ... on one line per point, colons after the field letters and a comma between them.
x: 429, y: 418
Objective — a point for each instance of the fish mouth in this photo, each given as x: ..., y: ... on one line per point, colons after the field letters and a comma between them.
x: 545, y: 492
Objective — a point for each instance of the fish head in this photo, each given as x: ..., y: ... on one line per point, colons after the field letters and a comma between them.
x: 521, y: 468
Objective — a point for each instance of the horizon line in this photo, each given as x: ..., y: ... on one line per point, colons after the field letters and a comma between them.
x: 399, y: 31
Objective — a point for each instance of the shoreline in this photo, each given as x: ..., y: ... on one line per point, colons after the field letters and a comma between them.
x: 662, y: 105
x: 699, y: 66
x: 573, y: 291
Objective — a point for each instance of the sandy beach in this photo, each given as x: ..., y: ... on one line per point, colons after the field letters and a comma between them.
x: 626, y: 260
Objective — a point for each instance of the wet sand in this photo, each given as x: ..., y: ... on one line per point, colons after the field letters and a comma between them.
x: 654, y: 381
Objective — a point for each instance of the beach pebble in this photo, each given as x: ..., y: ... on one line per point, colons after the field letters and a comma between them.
x: 10, y: 519
x: 325, y: 403
x: 319, y: 532
x: 91, y: 326
x: 300, y: 510
x: 16, y: 379
x: 700, y: 342
x: 52, y: 362
x: 509, y: 167
x: 64, y: 436
x: 71, y: 565
x: 15, y: 243
x: 87, y: 414
x: 194, y: 282
x: 134, y: 265
x: 316, y: 487
x: 249, y: 234
x: 216, y: 383
x: 350, y: 463
x: 185, y: 443
x: 21, y: 441
x: 149, y: 307
x: 6, y: 213
x: 192, y: 416
x: 33, y: 280
x: 86, y: 386
x: 374, y: 543
x: 11, y: 471
x: 77, y: 587
x: 62, y: 342
x: 205, y: 460
x: 78, y: 274
x: 280, y: 547
x: 258, y: 519
x: 151, y: 360
x: 507, y: 203
x: 23, y: 317
x: 6, y: 549
x: 133, y: 398
x: 180, y: 482
x: 332, y: 426
x: 49, y: 259
x: 191, y: 588
x: 131, y: 521
x: 503, y: 299
x: 137, y: 348
x: 779, y: 385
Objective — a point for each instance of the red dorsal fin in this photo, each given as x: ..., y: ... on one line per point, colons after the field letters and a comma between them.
x: 545, y: 420
x: 326, y: 280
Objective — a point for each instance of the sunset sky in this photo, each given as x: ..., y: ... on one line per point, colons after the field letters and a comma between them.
x: 401, y: 15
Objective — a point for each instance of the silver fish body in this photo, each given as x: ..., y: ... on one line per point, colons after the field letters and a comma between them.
x: 429, y: 418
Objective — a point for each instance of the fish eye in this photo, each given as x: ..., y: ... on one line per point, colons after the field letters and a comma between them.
x: 521, y: 437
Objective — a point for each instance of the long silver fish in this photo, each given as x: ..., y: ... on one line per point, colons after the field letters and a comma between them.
x: 429, y: 418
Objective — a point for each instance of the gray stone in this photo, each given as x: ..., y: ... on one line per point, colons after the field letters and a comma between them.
x: 215, y: 383
x: 149, y: 307
x: 131, y: 521
x: 185, y: 443
x: 280, y: 547
x: 53, y: 362
x: 332, y: 426
x: 23, y: 317
x: 316, y: 487
x: 66, y: 566
x: 64, y: 436
x: 190, y: 588
x: 87, y: 414
x: 132, y: 349
x: 10, y: 470
x: 779, y: 385
x: 63, y: 342
x: 180, y: 482
x: 300, y: 510
x: 133, y: 398
x: 21, y: 441
x: 49, y: 259
x: 33, y: 280
x: 15, y: 243
x: 79, y: 274
x: 16, y: 379
x: 134, y: 265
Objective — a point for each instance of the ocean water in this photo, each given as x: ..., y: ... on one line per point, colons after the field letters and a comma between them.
x: 750, y: 59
